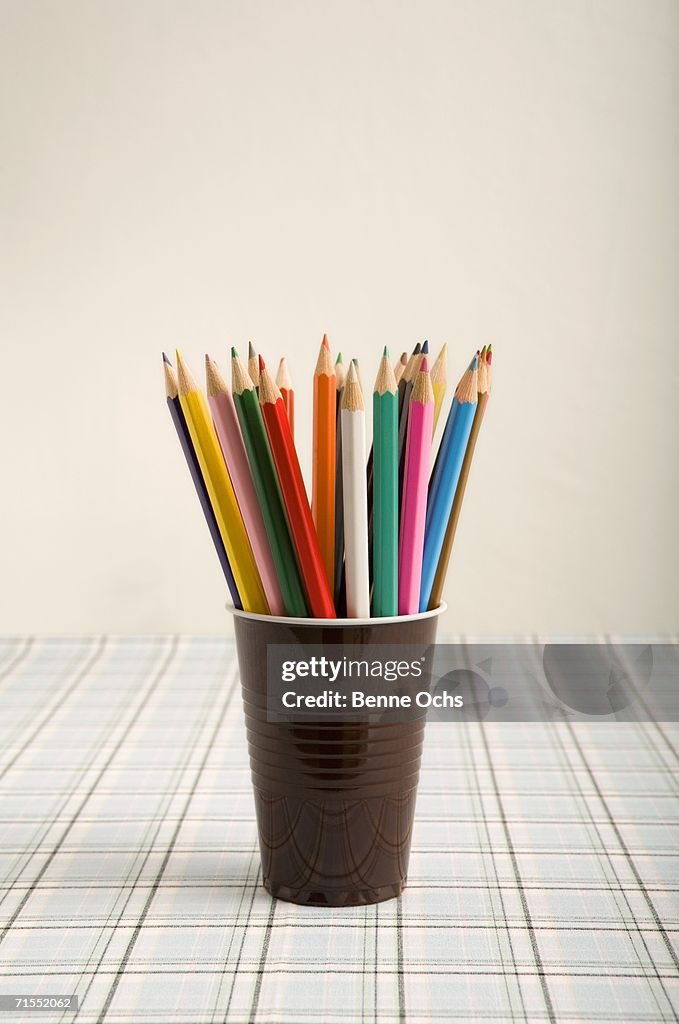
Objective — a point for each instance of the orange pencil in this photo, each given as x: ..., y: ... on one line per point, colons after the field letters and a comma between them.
x: 323, y: 475
x: 284, y: 385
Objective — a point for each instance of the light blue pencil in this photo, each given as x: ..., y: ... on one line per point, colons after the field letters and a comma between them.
x: 445, y: 475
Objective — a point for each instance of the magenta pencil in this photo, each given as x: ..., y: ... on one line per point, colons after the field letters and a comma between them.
x: 231, y: 441
x: 414, y: 500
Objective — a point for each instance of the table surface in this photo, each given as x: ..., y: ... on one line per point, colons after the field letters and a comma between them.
x: 543, y: 879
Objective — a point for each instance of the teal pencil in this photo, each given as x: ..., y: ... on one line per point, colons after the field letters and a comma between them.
x: 385, y: 490
x: 267, y: 488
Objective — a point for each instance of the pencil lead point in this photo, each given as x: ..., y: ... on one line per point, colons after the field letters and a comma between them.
x: 417, y: 349
x: 251, y: 350
x: 262, y: 364
x: 425, y: 348
x: 386, y: 352
x: 339, y: 359
x: 166, y: 360
x: 234, y: 353
x: 424, y: 365
x: 325, y: 341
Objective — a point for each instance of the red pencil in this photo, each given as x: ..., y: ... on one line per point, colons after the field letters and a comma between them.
x: 295, y: 498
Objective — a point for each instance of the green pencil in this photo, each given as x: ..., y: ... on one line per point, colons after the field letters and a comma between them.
x: 385, y: 490
x: 268, y: 489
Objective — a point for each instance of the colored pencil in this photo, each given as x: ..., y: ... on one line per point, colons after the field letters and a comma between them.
x: 323, y: 473
x: 287, y: 393
x: 446, y: 474
x: 444, y: 559
x: 439, y: 382
x: 355, y: 497
x: 174, y: 405
x: 220, y: 490
x: 225, y: 419
x: 400, y: 366
x: 294, y: 497
x: 268, y: 488
x: 253, y: 365
x: 405, y: 389
x: 414, y: 501
x: 339, y: 594
x: 385, y: 504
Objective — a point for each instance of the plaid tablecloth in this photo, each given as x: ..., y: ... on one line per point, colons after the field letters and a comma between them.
x: 543, y: 881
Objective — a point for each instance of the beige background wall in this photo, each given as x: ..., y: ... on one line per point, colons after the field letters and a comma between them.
x: 203, y: 173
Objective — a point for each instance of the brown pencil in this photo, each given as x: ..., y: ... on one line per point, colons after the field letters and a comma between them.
x: 483, y: 388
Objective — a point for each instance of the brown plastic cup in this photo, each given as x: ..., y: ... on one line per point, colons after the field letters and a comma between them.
x: 335, y: 800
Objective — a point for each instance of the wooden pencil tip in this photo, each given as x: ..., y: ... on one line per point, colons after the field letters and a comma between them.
x: 262, y: 364
x: 186, y: 379
x: 425, y: 348
x: 166, y: 360
x: 171, y: 385
x: 385, y: 354
x: 251, y: 350
x: 489, y: 355
x: 417, y: 349
x: 424, y: 365
x: 352, y: 396
x: 234, y: 353
x: 324, y: 364
x: 216, y: 385
x: 340, y: 359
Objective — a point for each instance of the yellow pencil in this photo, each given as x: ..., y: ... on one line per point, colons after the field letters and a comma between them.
x: 220, y: 489
x: 439, y: 381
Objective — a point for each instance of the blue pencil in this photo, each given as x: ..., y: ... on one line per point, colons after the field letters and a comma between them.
x: 445, y: 475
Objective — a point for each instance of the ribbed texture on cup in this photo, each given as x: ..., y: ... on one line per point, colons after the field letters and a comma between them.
x: 335, y: 800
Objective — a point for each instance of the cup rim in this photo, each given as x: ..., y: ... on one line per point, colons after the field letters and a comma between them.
x: 290, y: 620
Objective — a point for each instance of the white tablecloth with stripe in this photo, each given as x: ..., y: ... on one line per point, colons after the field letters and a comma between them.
x: 543, y: 881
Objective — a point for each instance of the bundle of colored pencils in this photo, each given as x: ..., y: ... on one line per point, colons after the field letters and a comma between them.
x: 376, y: 537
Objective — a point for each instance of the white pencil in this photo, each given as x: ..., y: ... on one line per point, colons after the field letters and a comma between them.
x: 355, y: 497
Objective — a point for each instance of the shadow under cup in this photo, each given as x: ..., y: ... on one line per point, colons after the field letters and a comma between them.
x: 335, y: 800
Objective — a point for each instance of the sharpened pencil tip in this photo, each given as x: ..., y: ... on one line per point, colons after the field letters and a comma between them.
x: 251, y: 350
x: 425, y: 348
x: 234, y: 353
x: 166, y: 360
x: 339, y: 359
x: 417, y: 349
x: 386, y: 352
x: 325, y: 341
x: 262, y: 364
x: 424, y: 365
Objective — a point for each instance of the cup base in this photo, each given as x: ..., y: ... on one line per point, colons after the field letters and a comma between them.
x: 334, y: 897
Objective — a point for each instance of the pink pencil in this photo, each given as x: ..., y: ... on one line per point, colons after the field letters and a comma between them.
x: 414, y: 501
x: 233, y: 449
